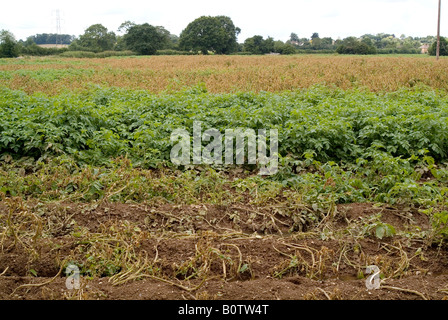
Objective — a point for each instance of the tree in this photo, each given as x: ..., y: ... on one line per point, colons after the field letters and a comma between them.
x: 254, y: 45
x: 215, y: 34
x: 174, y: 42
x: 96, y: 38
x: 125, y: 26
x: 167, y: 36
x: 268, y: 45
x: 146, y: 39
x: 443, y: 47
x: 8, y: 45
x: 294, y: 38
x: 283, y: 48
x: 287, y: 49
x: 316, y: 43
x: 327, y: 43
x: 367, y: 41
x: 352, y: 45
x: 258, y: 45
x: 305, y: 43
x: 51, y: 38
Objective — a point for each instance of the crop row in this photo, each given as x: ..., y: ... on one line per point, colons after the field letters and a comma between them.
x: 330, y: 124
x: 223, y: 74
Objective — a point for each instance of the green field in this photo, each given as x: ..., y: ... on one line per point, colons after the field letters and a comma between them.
x: 75, y: 155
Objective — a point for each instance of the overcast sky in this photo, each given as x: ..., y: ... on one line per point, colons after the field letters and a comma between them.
x: 275, y: 18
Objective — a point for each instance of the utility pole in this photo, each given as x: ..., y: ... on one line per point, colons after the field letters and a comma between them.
x: 438, y: 32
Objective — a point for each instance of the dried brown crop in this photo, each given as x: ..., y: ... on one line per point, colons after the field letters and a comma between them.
x: 225, y: 74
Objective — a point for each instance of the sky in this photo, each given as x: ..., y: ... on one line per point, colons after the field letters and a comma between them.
x: 274, y: 18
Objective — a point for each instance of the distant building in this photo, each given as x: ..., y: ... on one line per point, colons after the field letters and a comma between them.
x: 424, y: 48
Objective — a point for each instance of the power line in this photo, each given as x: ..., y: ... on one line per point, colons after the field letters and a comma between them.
x: 56, y: 15
x: 58, y: 27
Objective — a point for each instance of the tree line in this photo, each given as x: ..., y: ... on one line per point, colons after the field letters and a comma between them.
x: 208, y: 35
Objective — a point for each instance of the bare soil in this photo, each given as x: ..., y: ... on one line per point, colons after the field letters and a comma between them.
x: 222, y: 253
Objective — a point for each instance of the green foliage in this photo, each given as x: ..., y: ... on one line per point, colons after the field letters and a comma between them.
x: 146, y: 39
x: 335, y: 146
x: 440, y: 223
x: 35, y: 50
x: 283, y: 48
x: 443, y: 47
x: 390, y: 44
x: 88, y: 54
x: 371, y: 226
x: 78, y: 54
x: 96, y: 38
x: 383, y: 43
x: 215, y: 34
x: 171, y: 52
x: 242, y: 53
x: 383, y: 230
x: 107, y: 54
x: 125, y: 26
x: 51, y: 38
x: 258, y: 45
x: 352, y: 45
x: 8, y: 45
x: 331, y: 124
x: 398, y: 51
